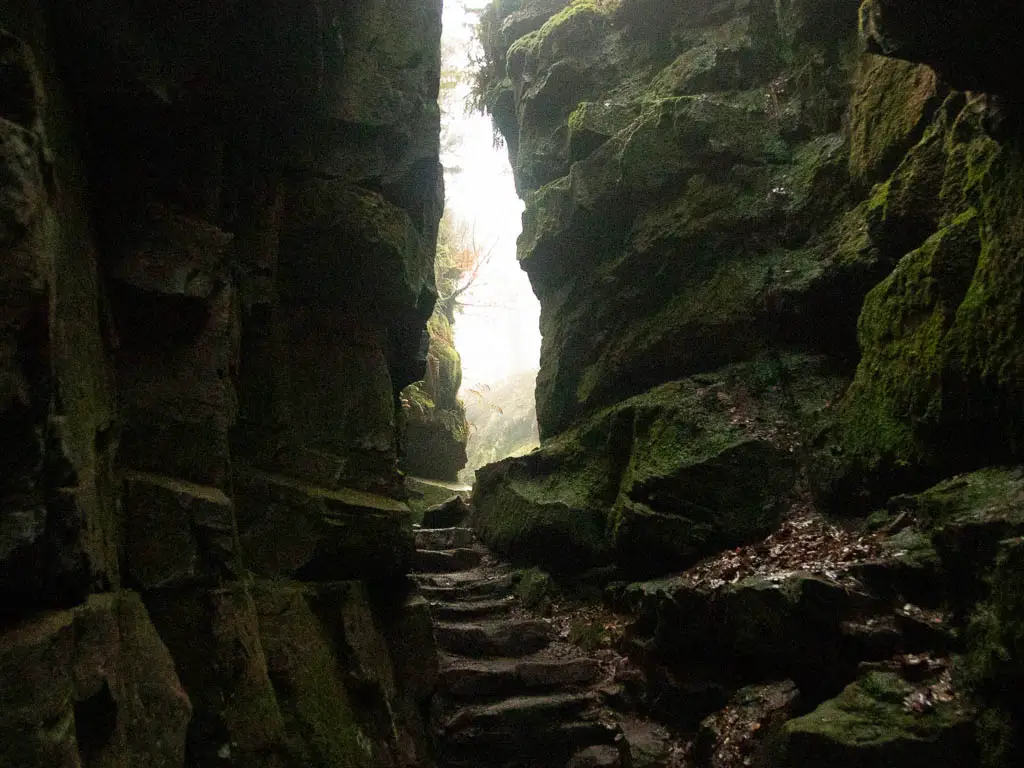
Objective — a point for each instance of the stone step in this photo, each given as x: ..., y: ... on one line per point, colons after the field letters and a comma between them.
x: 444, y: 538
x: 462, y: 678
x: 451, y: 588
x: 553, y: 737
x: 446, y: 561
x: 467, y: 723
x: 498, y: 638
x: 599, y: 756
x: 470, y: 609
x: 539, y: 732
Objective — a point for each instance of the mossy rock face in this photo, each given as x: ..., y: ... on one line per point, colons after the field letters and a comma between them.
x: 94, y: 685
x: 992, y: 667
x: 213, y: 635
x: 893, y: 105
x: 941, y: 366
x: 967, y: 517
x: 869, y: 724
x: 660, y: 161
x: 391, y: 264
x: 703, y: 184
x: 434, y: 428
x: 351, y: 676
x: 177, y: 533
x: 58, y: 490
x: 661, y: 479
x: 323, y: 725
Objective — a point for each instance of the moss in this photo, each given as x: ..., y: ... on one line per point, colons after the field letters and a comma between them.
x: 993, y: 667
x: 321, y: 722
x: 566, y: 29
x: 588, y: 634
x: 869, y: 724
x: 890, y: 110
x: 661, y: 478
x: 535, y: 589
x: 905, y: 320
x: 987, y: 340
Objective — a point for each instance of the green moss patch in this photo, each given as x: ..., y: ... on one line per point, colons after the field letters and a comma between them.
x: 870, y: 724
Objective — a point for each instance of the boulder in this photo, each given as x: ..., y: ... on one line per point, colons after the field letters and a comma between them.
x: 784, y: 625
x: 448, y: 514
x: 659, y: 480
x: 177, y: 533
x: 872, y: 722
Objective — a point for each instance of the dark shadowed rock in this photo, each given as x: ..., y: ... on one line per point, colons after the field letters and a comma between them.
x: 747, y: 728
x: 597, y: 757
x: 512, y: 638
x: 289, y: 528
x: 444, y: 538
x: 448, y: 514
x: 176, y: 532
x: 445, y: 561
x: 93, y: 685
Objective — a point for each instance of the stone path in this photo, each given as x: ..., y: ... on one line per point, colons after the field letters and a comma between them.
x: 511, y: 694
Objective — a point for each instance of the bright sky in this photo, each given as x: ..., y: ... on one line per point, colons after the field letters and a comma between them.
x: 497, y: 334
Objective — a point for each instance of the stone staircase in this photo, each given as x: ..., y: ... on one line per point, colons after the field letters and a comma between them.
x: 509, y: 695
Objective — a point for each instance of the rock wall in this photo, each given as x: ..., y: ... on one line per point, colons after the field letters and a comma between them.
x: 778, y: 249
x: 435, y: 430
x: 218, y: 235
x: 774, y: 266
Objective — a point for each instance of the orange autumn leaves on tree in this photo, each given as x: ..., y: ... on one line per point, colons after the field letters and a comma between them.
x: 458, y: 263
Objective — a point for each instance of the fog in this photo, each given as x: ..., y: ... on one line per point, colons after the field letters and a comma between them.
x: 497, y: 333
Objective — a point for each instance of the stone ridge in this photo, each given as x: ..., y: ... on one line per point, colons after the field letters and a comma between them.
x: 218, y: 225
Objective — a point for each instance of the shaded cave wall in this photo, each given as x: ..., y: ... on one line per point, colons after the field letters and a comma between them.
x: 219, y: 223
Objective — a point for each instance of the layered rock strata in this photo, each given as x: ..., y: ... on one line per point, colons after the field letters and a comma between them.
x: 218, y: 235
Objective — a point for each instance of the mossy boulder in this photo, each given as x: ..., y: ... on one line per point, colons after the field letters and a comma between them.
x: 870, y: 723
x: 661, y: 479
x: 781, y: 625
x: 967, y: 517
